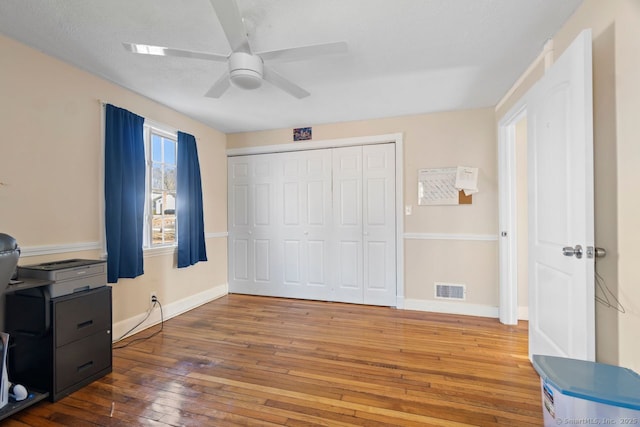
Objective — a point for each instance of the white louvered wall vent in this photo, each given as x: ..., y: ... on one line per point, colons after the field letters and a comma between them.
x: 450, y: 291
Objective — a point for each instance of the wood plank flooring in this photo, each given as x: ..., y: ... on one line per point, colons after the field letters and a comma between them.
x: 245, y: 360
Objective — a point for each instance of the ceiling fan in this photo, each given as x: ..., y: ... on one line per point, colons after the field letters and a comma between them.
x: 247, y: 70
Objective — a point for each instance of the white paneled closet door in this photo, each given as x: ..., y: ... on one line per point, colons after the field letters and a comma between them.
x: 364, y: 258
x: 253, y: 233
x: 306, y: 224
x: 347, y: 256
x: 315, y: 224
x: 379, y: 224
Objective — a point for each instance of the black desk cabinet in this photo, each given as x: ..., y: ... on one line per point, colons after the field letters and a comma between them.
x: 60, y: 344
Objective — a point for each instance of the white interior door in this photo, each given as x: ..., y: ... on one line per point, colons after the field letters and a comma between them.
x: 379, y: 224
x: 252, y: 244
x: 315, y: 224
x: 306, y: 224
x: 560, y: 175
x: 364, y: 224
x: 347, y: 213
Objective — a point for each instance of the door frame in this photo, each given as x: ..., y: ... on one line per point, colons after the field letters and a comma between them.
x: 507, y: 201
x: 508, y: 212
x: 395, y: 138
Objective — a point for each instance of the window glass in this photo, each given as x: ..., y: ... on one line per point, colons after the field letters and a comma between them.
x: 162, y: 195
x: 156, y: 148
x: 170, y: 176
x: 169, y: 152
x: 156, y: 176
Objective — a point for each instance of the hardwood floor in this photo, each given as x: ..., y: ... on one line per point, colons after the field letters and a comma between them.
x: 244, y: 360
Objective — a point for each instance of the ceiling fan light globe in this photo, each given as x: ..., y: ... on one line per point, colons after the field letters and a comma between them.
x: 245, y: 70
x: 246, y: 79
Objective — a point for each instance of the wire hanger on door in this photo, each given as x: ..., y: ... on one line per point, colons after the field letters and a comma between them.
x: 606, y: 293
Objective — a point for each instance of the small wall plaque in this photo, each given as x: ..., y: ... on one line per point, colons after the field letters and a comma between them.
x: 301, y: 134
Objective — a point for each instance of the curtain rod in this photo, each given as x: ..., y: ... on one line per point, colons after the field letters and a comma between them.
x: 152, y: 122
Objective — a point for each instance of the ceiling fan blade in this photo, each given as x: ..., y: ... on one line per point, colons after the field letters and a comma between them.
x: 146, y: 49
x: 232, y: 25
x: 304, y: 52
x: 284, y: 84
x: 219, y: 87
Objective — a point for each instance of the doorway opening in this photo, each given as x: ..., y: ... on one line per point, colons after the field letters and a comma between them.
x: 512, y: 152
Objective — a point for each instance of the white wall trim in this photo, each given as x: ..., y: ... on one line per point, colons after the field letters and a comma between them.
x: 523, y: 313
x: 172, y: 249
x: 216, y: 235
x: 449, y: 236
x: 169, y: 311
x: 399, y: 140
x: 507, y: 212
x: 447, y: 307
x: 546, y: 55
x: 29, y: 251
x: 157, y: 251
x: 316, y: 145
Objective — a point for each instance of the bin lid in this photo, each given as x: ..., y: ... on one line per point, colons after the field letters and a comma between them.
x: 597, y: 382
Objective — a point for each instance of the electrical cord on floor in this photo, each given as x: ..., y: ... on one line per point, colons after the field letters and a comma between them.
x: 155, y: 301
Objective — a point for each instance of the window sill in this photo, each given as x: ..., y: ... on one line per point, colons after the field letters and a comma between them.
x: 160, y: 250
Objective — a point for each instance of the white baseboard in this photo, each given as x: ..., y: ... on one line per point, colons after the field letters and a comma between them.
x: 178, y: 307
x: 168, y: 311
x: 523, y: 313
x: 451, y: 307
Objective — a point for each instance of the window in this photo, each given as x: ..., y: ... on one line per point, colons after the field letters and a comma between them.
x: 161, y: 153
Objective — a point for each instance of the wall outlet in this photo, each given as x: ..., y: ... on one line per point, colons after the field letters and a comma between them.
x: 153, y: 297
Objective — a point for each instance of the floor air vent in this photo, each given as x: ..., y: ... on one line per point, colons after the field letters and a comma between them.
x: 450, y: 291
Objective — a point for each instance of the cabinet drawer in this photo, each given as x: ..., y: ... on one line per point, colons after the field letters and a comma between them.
x: 82, y: 359
x: 82, y: 315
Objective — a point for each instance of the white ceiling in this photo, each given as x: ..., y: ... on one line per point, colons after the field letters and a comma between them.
x: 405, y: 56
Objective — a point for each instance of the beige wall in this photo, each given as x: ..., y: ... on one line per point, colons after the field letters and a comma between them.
x: 616, y: 93
x: 434, y: 140
x: 51, y: 173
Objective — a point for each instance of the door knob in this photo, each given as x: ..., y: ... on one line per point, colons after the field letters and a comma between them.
x: 569, y: 251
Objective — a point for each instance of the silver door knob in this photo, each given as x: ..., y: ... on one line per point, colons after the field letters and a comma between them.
x: 569, y: 251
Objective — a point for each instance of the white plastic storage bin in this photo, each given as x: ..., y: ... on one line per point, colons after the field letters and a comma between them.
x: 578, y: 392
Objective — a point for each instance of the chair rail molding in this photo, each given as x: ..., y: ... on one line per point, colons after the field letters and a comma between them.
x: 450, y: 236
x: 29, y: 251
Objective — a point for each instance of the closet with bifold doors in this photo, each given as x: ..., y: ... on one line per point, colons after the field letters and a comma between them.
x: 314, y: 224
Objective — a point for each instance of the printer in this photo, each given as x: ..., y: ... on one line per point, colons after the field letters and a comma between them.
x: 67, y: 276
